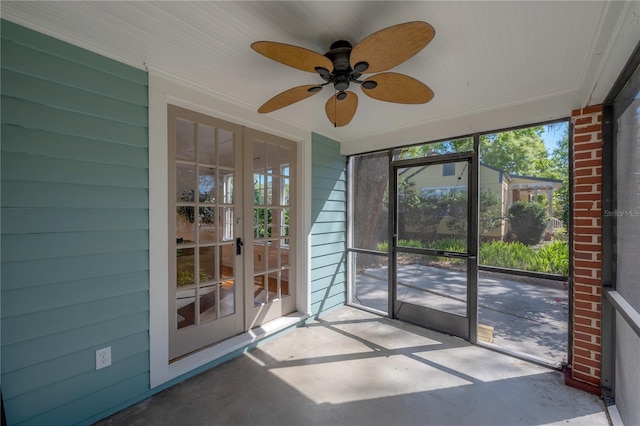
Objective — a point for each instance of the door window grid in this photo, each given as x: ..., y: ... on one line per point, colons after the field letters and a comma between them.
x: 271, y: 182
x: 199, y: 247
x: 208, y: 212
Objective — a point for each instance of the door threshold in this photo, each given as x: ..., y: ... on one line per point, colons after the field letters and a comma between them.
x: 231, y: 347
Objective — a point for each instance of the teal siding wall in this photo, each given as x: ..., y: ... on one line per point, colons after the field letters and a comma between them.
x: 328, y: 231
x: 75, y: 274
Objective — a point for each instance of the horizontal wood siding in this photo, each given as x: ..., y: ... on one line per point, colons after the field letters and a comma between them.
x: 75, y: 230
x: 328, y: 231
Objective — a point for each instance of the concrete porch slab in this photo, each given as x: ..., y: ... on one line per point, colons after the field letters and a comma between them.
x: 355, y: 368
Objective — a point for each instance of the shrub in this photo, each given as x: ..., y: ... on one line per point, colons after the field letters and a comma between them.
x: 552, y: 258
x: 506, y: 255
x: 561, y: 234
x: 449, y: 244
x: 528, y: 221
x: 384, y: 246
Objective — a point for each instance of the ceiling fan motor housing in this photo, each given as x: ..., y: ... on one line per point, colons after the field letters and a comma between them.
x: 339, y: 55
x: 342, y: 73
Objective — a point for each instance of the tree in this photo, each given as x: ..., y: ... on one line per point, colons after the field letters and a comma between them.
x: 489, y: 211
x: 517, y: 152
x: 559, y: 169
x: 205, y: 214
x: 528, y: 221
x: 445, y: 147
x: 371, y: 178
x: 424, y: 210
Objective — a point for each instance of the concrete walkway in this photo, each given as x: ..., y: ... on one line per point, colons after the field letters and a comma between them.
x: 527, y: 318
x: 355, y: 368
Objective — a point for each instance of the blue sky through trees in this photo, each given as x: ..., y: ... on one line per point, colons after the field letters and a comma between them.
x: 554, y: 133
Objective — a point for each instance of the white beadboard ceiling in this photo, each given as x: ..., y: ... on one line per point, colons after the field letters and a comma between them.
x: 491, y: 64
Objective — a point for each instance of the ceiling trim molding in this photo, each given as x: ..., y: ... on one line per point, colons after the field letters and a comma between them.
x: 17, y: 19
x: 207, y: 101
x: 602, y: 53
x: 537, y: 110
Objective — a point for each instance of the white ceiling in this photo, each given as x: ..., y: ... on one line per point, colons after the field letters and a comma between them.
x: 491, y: 64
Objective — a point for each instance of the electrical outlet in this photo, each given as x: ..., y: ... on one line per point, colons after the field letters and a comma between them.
x: 103, y: 358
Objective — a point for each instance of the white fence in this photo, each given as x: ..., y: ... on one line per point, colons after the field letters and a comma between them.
x: 554, y: 223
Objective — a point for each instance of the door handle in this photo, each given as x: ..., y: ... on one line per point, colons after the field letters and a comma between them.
x: 239, y: 245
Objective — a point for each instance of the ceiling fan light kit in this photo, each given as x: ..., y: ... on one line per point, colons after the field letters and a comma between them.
x: 344, y: 64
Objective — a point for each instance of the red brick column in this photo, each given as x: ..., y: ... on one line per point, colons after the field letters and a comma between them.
x: 587, y: 248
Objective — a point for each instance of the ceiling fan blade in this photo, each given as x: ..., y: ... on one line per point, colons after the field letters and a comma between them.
x: 293, y: 56
x: 340, y: 112
x: 288, y: 97
x: 391, y: 46
x: 398, y: 88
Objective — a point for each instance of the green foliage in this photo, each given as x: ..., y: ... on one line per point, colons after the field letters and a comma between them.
x: 552, y: 258
x: 186, y: 266
x: 424, y: 210
x: 528, y: 221
x: 206, y: 214
x: 506, y: 255
x: 489, y: 211
x: 559, y: 169
x: 185, y: 278
x: 561, y: 204
x: 458, y: 245
x: 266, y: 229
x: 542, y: 200
x: 445, y: 147
x: 446, y: 244
x: 259, y: 226
x: 561, y: 234
x: 559, y: 160
x: 519, y: 152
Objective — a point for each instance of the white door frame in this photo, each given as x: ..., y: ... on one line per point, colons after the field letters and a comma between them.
x: 163, y: 90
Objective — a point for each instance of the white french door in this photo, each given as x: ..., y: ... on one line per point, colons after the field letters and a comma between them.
x: 271, y: 244
x: 232, y: 251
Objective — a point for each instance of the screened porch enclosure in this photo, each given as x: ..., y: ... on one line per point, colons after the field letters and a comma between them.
x: 432, y: 240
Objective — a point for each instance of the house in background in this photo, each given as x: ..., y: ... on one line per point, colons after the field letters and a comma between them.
x: 442, y: 180
x: 530, y: 189
x: 106, y: 106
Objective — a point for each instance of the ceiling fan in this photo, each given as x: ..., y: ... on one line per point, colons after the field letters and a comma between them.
x: 344, y: 64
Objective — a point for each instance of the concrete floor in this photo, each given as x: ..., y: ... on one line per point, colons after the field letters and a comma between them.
x: 530, y: 319
x: 355, y: 368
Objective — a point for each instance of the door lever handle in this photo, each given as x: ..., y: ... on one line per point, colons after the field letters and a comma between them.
x: 239, y: 245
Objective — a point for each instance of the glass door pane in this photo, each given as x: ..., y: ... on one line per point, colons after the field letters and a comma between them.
x: 204, y: 293
x: 270, y: 244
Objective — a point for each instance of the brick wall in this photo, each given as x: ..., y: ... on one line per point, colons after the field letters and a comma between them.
x: 587, y: 245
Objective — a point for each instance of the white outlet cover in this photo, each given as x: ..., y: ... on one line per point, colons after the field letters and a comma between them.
x: 103, y: 358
